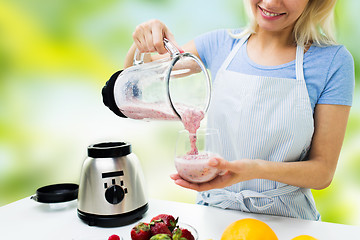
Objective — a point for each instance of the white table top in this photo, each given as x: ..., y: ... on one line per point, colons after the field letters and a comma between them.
x: 27, y: 219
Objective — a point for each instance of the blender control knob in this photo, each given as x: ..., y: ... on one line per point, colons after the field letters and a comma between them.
x: 114, y: 194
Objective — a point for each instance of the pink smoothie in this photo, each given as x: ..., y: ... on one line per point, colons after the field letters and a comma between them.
x: 194, y: 168
x: 149, y: 111
x: 190, y: 117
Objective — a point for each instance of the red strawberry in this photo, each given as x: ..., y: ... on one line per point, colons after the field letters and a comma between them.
x: 182, y: 234
x: 141, y: 232
x: 159, y: 227
x: 114, y: 237
x: 169, y: 220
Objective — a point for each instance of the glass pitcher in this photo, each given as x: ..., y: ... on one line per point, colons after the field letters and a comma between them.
x: 160, y: 90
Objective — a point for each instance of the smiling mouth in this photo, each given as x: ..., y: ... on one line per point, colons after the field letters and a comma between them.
x: 270, y: 14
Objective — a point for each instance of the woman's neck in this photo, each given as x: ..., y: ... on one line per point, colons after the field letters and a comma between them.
x: 283, y: 39
x: 271, y: 48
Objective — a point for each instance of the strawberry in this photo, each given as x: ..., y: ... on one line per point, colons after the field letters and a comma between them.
x: 169, y: 220
x: 114, y: 237
x: 140, y: 232
x: 160, y: 237
x: 182, y: 234
x: 159, y: 227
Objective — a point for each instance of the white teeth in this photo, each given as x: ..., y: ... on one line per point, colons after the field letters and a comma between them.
x: 269, y: 13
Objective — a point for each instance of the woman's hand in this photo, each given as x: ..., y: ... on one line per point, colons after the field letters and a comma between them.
x: 234, y: 172
x: 148, y: 37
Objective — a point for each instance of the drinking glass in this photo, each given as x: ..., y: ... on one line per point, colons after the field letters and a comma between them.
x: 193, y: 151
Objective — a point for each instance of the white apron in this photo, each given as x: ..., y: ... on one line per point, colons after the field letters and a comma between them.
x: 262, y: 118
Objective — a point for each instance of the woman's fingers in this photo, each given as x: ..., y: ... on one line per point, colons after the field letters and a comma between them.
x: 218, y: 182
x: 149, y: 36
x: 220, y: 163
x: 157, y: 39
x: 175, y: 176
x: 139, y: 37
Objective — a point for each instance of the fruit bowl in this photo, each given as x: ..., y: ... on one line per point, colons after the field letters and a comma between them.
x: 163, y: 226
x: 191, y: 229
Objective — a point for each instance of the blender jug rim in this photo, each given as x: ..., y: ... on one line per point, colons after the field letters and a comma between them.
x: 203, y: 69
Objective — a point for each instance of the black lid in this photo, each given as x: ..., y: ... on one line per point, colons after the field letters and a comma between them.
x: 108, y: 95
x: 57, y: 193
x: 109, y: 150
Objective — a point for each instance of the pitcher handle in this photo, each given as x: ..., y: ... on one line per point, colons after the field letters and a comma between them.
x: 171, y: 48
x: 173, y: 51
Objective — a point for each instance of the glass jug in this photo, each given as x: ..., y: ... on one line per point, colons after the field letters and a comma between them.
x: 160, y: 90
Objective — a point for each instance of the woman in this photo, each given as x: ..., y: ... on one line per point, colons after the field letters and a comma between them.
x: 282, y: 95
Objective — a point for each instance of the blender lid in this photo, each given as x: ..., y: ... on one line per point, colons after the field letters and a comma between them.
x: 57, y: 193
x: 109, y: 150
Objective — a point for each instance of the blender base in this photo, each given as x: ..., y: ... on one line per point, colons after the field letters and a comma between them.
x: 116, y: 220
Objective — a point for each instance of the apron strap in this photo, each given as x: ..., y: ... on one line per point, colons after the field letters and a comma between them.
x: 234, y: 51
x: 299, y: 64
x: 224, y: 199
x: 298, y: 61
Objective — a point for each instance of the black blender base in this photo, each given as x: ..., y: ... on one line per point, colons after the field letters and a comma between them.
x: 113, y: 220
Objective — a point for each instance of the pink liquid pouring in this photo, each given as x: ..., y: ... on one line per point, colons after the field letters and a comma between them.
x: 193, y: 166
x: 191, y: 120
x: 190, y: 117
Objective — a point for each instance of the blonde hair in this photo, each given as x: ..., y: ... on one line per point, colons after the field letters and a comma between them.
x: 315, y: 24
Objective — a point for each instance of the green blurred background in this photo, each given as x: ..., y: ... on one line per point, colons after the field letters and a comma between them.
x: 56, y: 55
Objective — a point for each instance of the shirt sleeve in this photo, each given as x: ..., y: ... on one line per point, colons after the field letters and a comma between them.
x: 340, y: 80
x: 208, y: 45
